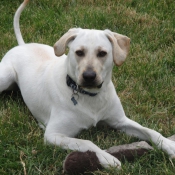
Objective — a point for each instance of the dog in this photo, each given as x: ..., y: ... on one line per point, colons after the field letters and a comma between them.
x: 67, y: 94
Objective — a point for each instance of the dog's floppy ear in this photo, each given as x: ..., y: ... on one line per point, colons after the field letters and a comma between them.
x: 61, y: 44
x: 121, y: 45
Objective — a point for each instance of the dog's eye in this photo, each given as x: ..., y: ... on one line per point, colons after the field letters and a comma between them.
x: 101, y: 54
x: 80, y: 53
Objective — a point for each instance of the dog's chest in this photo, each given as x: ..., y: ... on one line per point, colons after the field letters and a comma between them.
x: 91, y: 110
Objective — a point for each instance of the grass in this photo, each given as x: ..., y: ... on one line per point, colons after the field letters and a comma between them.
x: 145, y: 83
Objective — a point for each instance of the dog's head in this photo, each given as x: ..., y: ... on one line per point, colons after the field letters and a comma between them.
x: 92, y: 54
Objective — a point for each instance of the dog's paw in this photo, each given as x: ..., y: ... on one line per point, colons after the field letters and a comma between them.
x: 169, y: 147
x: 107, y: 160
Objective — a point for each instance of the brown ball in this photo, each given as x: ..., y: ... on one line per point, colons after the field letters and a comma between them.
x: 80, y: 162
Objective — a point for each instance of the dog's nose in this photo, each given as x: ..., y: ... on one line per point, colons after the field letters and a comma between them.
x: 89, y: 75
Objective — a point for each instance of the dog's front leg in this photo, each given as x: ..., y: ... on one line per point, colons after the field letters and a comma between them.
x: 58, y: 138
x: 117, y: 119
x: 134, y: 129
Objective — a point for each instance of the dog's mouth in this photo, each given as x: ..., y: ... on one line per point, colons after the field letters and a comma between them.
x: 91, y: 86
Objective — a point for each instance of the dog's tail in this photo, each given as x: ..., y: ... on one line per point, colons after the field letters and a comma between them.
x: 16, y: 22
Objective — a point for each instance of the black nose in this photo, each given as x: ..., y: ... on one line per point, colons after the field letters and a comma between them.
x: 89, y: 76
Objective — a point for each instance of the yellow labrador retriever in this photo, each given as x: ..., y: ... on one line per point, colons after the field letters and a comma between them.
x: 68, y: 93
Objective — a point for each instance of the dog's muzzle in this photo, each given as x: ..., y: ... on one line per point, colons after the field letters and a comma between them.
x: 89, y: 76
x: 89, y: 80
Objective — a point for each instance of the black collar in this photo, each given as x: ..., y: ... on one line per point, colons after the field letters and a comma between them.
x: 71, y: 83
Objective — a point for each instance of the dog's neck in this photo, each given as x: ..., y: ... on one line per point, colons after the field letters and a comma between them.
x: 77, y: 89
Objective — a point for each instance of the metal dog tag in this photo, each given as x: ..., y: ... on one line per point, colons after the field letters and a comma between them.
x: 74, y: 100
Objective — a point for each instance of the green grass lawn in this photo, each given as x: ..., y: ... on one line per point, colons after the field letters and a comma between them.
x: 145, y: 82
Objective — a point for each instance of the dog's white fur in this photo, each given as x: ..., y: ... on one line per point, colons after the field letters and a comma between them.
x: 41, y: 77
